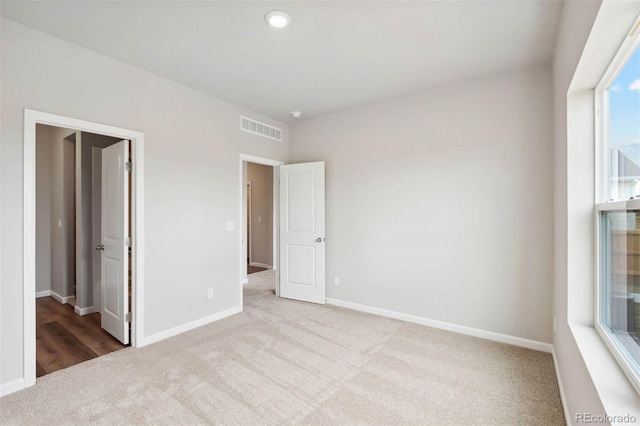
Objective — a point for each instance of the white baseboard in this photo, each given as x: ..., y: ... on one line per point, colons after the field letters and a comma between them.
x: 260, y: 265
x: 11, y: 387
x: 563, y: 397
x: 484, y: 334
x: 84, y: 311
x: 61, y: 299
x: 189, y: 326
x: 43, y: 293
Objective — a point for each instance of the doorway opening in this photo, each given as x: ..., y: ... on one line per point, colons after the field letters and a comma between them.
x: 69, y: 186
x: 259, y: 216
x: 298, y: 228
x: 260, y: 213
x: 121, y: 247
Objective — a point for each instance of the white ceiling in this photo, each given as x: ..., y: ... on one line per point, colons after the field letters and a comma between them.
x: 334, y: 55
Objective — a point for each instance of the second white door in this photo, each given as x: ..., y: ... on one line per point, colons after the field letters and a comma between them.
x: 115, y: 231
x: 302, y: 232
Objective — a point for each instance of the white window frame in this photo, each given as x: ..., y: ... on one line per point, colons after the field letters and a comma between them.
x: 605, y: 201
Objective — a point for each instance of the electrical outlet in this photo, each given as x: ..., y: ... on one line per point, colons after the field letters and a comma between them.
x: 336, y: 281
x: 210, y: 293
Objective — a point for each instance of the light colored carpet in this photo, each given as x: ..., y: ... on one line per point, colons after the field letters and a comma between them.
x: 282, y: 361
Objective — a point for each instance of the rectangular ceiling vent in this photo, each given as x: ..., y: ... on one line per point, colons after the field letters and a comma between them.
x: 261, y: 129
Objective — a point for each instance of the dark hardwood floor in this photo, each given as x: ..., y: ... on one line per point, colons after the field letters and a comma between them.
x: 254, y: 269
x: 64, y: 338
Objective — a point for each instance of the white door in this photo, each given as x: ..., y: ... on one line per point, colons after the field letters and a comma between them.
x: 115, y: 230
x: 302, y: 253
x: 249, y: 223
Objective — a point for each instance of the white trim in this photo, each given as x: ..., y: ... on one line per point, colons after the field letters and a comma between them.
x: 189, y: 326
x: 242, y: 258
x: 619, y: 60
x: 61, y: 299
x: 611, y: 206
x: 11, y: 387
x: 633, y: 204
x: 249, y: 206
x: 137, y: 240
x: 245, y: 281
x: 43, y: 293
x: 260, y: 160
x: 618, y: 350
x: 85, y: 311
x: 469, y: 331
x: 31, y: 118
x: 260, y: 265
x: 29, y: 249
x: 563, y: 397
x: 276, y: 226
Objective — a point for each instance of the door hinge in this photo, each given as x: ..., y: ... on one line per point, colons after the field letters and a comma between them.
x: 127, y: 166
x: 127, y: 317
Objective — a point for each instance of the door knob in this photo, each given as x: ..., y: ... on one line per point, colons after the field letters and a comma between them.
x: 100, y: 247
x: 318, y: 240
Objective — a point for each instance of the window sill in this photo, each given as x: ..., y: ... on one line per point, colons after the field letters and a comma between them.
x: 614, y: 389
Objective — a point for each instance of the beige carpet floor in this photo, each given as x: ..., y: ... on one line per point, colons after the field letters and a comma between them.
x: 282, y: 361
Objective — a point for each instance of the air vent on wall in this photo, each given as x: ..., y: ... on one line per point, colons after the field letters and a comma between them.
x: 261, y: 129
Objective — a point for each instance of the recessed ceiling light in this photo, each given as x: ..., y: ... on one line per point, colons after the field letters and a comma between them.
x: 277, y: 19
x: 296, y: 114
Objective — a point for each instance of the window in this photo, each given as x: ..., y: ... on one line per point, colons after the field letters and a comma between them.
x: 618, y: 207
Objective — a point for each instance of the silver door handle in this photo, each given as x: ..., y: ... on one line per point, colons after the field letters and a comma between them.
x: 319, y: 240
x: 100, y: 247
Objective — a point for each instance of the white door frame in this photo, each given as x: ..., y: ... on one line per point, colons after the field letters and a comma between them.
x: 248, y: 221
x: 242, y: 267
x: 31, y: 118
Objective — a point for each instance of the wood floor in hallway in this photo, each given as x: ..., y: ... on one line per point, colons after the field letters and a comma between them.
x: 254, y: 269
x: 64, y: 338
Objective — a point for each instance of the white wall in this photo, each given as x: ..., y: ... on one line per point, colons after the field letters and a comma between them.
x: 192, y: 146
x: 62, y: 204
x: 69, y: 152
x: 440, y: 204
x: 54, y: 201
x: 43, y: 208
x: 261, y: 178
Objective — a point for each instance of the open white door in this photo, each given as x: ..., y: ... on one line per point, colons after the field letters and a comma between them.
x: 115, y: 231
x: 302, y: 253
